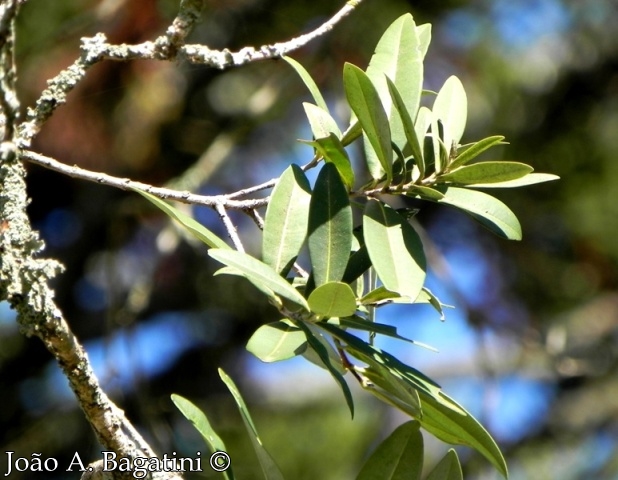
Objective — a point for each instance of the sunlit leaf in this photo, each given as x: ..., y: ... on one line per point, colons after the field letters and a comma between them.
x: 330, y: 227
x: 366, y: 104
x: 395, y: 249
x: 486, y: 172
x: 259, y: 273
x: 358, y: 323
x: 459, y: 428
x: 269, y: 467
x: 424, y: 37
x: 399, y: 457
x: 287, y: 216
x: 451, y: 108
x: 322, y: 124
x: 475, y: 150
x: 195, y: 228
x: 277, y: 341
x: 378, y: 295
x: 309, y: 82
x: 202, y: 425
x: 333, y: 152
x: 333, y: 299
x: 487, y: 210
x: 448, y: 468
x: 530, y: 179
x: 428, y: 193
x: 353, y: 132
x: 426, y: 296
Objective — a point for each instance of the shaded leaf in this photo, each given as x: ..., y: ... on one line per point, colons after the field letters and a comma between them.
x: 399, y: 457
x: 366, y: 104
x: 322, y: 124
x: 448, y: 468
x: 312, y: 356
x: 195, y: 228
x: 333, y: 299
x: 330, y: 227
x: 352, y: 133
x: 358, y: 264
x: 395, y: 249
x: 426, y: 296
x: 269, y: 467
x: 277, y: 341
x: 309, y: 82
x: 428, y: 193
x: 530, y: 179
x: 287, y: 216
x: 358, y: 323
x: 475, y: 150
x: 260, y: 274
x: 272, y: 297
x: 451, y: 108
x: 486, y: 172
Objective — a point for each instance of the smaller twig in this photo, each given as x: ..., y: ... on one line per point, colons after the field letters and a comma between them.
x: 231, y: 229
x: 256, y: 217
x: 346, y: 361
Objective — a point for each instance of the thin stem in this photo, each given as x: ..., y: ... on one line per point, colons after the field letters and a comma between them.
x: 231, y: 229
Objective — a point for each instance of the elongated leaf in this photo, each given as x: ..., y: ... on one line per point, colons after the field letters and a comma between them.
x: 202, y: 425
x: 333, y: 152
x: 407, y: 126
x: 269, y: 467
x: 475, y: 150
x: 378, y: 295
x: 391, y: 389
x: 399, y: 457
x: 421, y: 126
x: 353, y: 132
x: 325, y: 358
x: 277, y: 341
x: 448, y: 468
x: 333, y: 299
x: 309, y: 82
x: 460, y: 428
x: 358, y: 264
x: 322, y: 124
x: 395, y: 249
x: 398, y: 56
x: 311, y: 355
x: 426, y: 296
x: 530, y: 179
x: 272, y: 297
x: 486, y: 172
x: 330, y: 227
x: 425, y: 192
x: 365, y: 103
x: 195, y: 228
x: 359, y: 323
x: 424, y: 37
x: 259, y: 273
x: 451, y: 108
x: 287, y: 216
x: 487, y: 210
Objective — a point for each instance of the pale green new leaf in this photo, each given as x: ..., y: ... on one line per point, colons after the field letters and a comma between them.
x: 475, y: 150
x: 277, y: 341
x: 486, y: 172
x: 309, y: 82
x: 451, y: 108
x: 424, y: 37
x: 287, y: 216
x: 330, y: 227
x: 448, y: 468
x: 399, y: 457
x: 202, y: 425
x: 487, y: 210
x: 458, y: 427
x: 195, y: 228
x: 366, y: 104
x: 395, y: 249
x: 333, y: 299
x: 322, y: 124
x: 260, y: 274
x: 269, y: 467
x: 333, y: 152
x: 530, y: 179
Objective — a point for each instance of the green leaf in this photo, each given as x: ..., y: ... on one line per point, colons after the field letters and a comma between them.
x: 378, y: 295
x: 475, y: 150
x: 309, y: 82
x: 333, y: 299
x: 260, y: 274
x: 424, y: 37
x: 269, y: 467
x: 426, y: 296
x: 322, y: 352
x: 333, y: 152
x: 424, y: 192
x: 390, y: 389
x: 486, y: 172
x: 312, y: 356
x: 395, y: 249
x: 458, y: 427
x: 487, y: 210
x: 287, y: 216
x: 359, y: 323
x: 399, y: 457
x: 448, y: 468
x: 202, y: 425
x: 530, y: 179
x: 365, y: 103
x: 407, y: 125
x: 451, y: 108
x: 322, y: 124
x: 358, y: 264
x: 272, y: 297
x: 352, y: 133
x: 195, y: 228
x: 330, y: 227
x: 277, y: 341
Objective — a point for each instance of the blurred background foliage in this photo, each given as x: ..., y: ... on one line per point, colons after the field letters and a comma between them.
x: 531, y: 348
